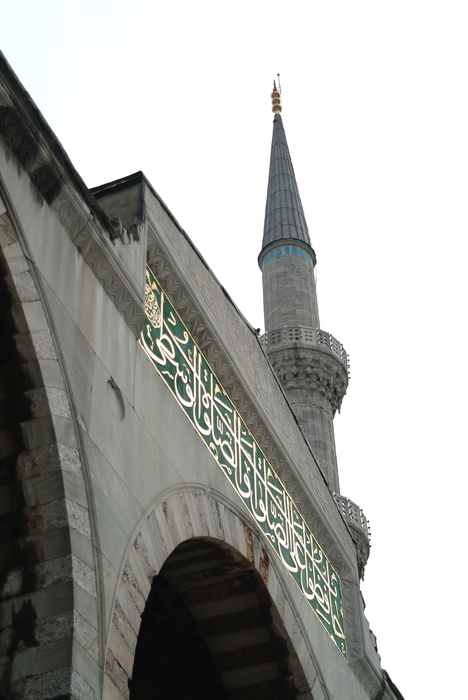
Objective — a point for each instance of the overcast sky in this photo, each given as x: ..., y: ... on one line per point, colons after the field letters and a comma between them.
x: 376, y: 115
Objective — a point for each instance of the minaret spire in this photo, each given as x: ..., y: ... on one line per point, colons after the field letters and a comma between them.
x: 311, y: 364
x: 284, y: 215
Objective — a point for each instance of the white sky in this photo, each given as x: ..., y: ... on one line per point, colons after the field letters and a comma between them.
x: 376, y: 114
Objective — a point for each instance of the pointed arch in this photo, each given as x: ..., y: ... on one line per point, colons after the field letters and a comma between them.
x: 227, y: 555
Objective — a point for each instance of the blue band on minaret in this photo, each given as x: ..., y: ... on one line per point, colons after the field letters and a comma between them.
x: 285, y: 250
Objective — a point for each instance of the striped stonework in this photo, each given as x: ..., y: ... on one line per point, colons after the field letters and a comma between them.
x: 177, y: 521
x: 48, y: 590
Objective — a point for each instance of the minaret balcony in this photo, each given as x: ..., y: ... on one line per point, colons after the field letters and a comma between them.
x: 351, y: 511
x: 305, y: 334
x: 359, y: 528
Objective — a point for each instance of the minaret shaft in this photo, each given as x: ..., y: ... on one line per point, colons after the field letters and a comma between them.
x: 289, y: 293
x: 314, y: 381
x: 310, y: 364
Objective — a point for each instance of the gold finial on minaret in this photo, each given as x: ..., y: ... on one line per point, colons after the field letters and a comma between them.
x: 276, y: 100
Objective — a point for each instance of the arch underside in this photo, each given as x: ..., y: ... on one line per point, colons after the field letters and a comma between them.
x: 208, y: 631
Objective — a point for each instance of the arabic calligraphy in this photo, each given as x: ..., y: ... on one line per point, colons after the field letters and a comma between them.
x: 202, y: 397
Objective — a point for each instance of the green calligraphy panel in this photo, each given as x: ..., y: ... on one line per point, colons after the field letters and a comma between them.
x: 202, y: 397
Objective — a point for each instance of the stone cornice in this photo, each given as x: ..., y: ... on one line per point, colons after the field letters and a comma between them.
x: 97, y: 249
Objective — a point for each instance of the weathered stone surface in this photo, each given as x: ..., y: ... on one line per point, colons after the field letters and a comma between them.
x: 36, y: 345
x: 70, y: 459
x: 78, y: 517
x: 58, y: 402
x: 50, y: 629
x: 124, y: 627
x: 86, y: 635
x: 53, y: 684
x: 142, y: 552
x: 117, y: 674
x: 157, y: 534
x: 25, y: 287
x: 133, y: 588
x: 84, y: 576
x: 43, y: 489
x: 7, y: 232
x: 42, y: 460
x: 47, y: 516
x: 47, y: 401
x: 171, y: 523
x: 80, y: 689
x: 53, y: 572
x: 13, y: 583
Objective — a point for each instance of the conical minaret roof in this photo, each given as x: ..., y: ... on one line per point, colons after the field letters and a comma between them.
x: 284, y: 215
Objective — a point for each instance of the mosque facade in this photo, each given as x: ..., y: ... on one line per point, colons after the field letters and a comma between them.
x: 171, y: 519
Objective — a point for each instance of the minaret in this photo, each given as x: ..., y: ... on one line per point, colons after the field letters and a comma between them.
x: 310, y: 363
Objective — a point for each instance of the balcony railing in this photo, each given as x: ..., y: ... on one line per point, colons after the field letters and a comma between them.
x: 305, y: 334
x: 352, y: 512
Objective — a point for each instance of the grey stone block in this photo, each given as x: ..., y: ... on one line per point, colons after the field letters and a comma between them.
x: 42, y: 460
x: 65, y: 431
x: 84, y: 576
x: 78, y: 517
x: 84, y: 662
x: 82, y: 547
x: 38, y: 660
x: 51, y: 374
x: 52, y: 684
x: 38, y: 432
x: 85, y: 605
x: 75, y: 489
x: 43, y: 602
x: 32, y: 550
x: 30, y: 316
x: 43, y: 488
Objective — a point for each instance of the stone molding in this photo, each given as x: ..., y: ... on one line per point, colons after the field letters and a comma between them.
x: 308, y: 370
x: 97, y: 249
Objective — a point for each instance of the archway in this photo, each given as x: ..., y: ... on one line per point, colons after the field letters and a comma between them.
x: 208, y: 631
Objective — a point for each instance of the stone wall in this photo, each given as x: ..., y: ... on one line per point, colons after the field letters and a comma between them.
x: 104, y: 475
